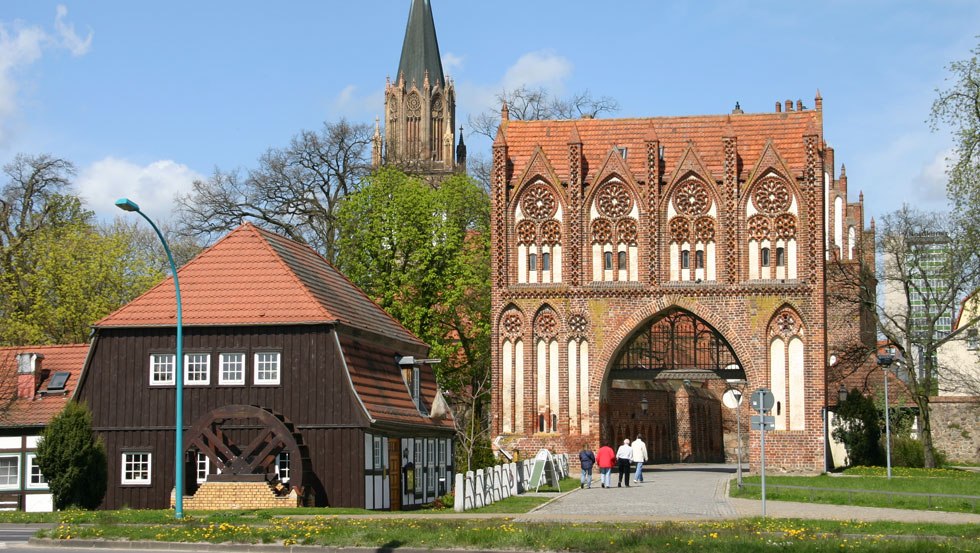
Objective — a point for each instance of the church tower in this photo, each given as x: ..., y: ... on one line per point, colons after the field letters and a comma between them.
x: 420, y: 106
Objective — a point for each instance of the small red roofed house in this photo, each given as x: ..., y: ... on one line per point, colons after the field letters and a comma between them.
x: 35, y: 384
x: 294, y: 381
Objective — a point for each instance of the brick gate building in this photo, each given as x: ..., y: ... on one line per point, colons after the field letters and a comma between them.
x: 639, y: 264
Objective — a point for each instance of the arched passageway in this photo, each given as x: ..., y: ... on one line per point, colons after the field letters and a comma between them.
x: 666, y: 384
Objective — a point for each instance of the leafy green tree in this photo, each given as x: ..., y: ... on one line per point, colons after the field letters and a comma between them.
x: 422, y: 253
x: 72, y: 460
x: 958, y: 107
x: 856, y: 426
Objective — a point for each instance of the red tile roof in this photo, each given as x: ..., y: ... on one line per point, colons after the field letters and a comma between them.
x: 599, y: 136
x: 39, y: 411
x: 256, y: 277
x: 379, y: 384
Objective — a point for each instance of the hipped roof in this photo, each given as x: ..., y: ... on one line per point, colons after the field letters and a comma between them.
x: 256, y: 277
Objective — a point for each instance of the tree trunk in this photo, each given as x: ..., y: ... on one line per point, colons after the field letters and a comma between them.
x: 925, y: 431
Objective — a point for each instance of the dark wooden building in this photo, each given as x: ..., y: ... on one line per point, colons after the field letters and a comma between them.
x: 291, y: 375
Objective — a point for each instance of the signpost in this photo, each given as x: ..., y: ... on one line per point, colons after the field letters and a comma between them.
x: 762, y: 402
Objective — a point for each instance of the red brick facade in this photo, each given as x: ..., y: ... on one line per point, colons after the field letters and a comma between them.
x: 601, y: 226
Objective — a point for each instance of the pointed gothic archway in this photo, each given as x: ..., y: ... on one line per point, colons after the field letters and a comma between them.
x: 665, y: 384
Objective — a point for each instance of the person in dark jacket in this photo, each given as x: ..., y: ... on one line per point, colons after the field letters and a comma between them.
x: 587, y: 459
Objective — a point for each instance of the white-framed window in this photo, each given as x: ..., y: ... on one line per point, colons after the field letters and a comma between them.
x: 162, y: 369
x: 136, y: 467
x: 282, y: 466
x: 267, y: 367
x: 35, y: 479
x: 9, y: 472
x: 202, y: 467
x: 197, y: 369
x: 231, y: 368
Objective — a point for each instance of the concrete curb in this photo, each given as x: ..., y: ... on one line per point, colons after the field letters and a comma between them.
x: 245, y: 547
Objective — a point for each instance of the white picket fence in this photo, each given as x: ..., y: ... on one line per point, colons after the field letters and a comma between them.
x: 487, y: 486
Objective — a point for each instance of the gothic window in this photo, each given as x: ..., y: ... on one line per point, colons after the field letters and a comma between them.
x: 437, y: 127
x: 538, y: 231
x: 512, y: 371
x: 786, y: 374
x: 413, y: 125
x: 548, y: 388
x: 771, y: 223
x: 692, y: 216
x: 392, y: 130
x: 578, y: 374
x: 613, y: 218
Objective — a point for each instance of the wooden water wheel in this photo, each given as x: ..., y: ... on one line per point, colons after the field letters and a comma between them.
x: 263, y: 436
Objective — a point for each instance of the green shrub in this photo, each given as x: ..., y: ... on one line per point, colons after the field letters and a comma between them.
x: 72, y: 460
x: 856, y: 426
x: 907, y: 452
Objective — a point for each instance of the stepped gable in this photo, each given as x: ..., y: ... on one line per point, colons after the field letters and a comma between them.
x: 40, y: 410
x: 256, y: 277
x: 706, y: 132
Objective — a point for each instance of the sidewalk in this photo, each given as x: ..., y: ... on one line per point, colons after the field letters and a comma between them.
x: 700, y: 492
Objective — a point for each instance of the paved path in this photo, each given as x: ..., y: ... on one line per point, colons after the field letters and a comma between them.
x: 700, y: 492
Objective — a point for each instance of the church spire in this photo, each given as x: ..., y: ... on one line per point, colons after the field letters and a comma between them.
x: 420, y: 51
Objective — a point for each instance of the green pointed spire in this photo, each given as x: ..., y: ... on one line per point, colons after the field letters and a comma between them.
x: 420, y: 51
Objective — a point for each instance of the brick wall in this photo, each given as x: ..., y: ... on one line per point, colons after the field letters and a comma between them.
x: 215, y: 496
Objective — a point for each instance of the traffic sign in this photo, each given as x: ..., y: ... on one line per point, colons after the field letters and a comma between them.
x: 762, y: 400
x: 760, y: 421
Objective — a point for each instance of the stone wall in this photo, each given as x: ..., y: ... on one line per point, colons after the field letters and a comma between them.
x: 956, y: 427
x: 215, y: 496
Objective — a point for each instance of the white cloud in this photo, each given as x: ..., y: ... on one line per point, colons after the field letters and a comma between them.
x: 153, y: 186
x: 22, y: 46
x: 451, y: 62
x: 930, y: 183
x: 69, y: 39
x: 539, y: 69
x: 349, y: 103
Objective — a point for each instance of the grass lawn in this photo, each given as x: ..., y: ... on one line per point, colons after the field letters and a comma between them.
x: 746, y: 535
x: 847, y: 489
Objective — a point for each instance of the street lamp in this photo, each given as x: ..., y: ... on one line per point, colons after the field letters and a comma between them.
x: 126, y: 204
x: 644, y: 404
x: 885, y: 361
x: 841, y: 394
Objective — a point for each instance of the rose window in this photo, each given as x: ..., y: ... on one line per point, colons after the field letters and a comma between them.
x: 786, y: 226
x: 627, y: 231
x: 601, y: 231
x: 513, y: 324
x: 614, y: 200
x: 759, y: 227
x: 551, y: 232
x: 772, y: 196
x: 526, y: 233
x: 546, y: 326
x: 414, y: 105
x: 437, y: 107
x: 680, y: 229
x: 692, y: 198
x: 539, y: 203
x: 704, y: 229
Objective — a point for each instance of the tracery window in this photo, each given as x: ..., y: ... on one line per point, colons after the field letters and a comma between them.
x: 772, y: 222
x: 786, y: 375
x: 613, y: 228
x: 512, y: 371
x: 692, y: 221
x: 538, y: 232
x: 547, y: 373
x: 413, y: 125
x: 578, y: 374
x: 436, y: 128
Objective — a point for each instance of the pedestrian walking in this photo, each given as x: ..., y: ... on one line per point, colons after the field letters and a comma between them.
x: 605, y: 458
x: 639, y: 457
x: 586, y: 459
x: 623, y: 457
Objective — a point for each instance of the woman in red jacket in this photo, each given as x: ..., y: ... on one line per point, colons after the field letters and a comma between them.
x: 605, y: 458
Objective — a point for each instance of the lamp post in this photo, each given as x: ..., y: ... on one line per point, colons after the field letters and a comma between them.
x: 126, y: 204
x: 885, y: 361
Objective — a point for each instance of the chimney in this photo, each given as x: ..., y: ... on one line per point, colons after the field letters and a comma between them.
x: 799, y: 105
x: 29, y: 374
x: 779, y: 107
x: 789, y: 105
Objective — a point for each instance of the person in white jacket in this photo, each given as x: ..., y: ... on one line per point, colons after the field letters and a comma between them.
x: 639, y: 457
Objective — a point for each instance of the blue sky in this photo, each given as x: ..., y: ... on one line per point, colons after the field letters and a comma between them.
x: 145, y: 96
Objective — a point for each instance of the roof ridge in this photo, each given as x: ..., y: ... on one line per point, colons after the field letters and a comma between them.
x: 340, y: 273
x: 292, y: 274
